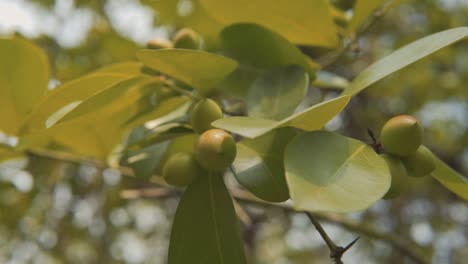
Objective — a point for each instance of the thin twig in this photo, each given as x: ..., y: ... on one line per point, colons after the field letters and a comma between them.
x: 331, y: 58
x: 322, y: 232
x: 336, y: 252
x: 171, y: 85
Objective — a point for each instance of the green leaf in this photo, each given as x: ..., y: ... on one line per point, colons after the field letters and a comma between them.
x: 24, y: 76
x: 329, y: 80
x: 201, y: 70
x: 69, y: 94
x: 302, y: 21
x: 404, y: 57
x: 148, y: 150
x: 145, y: 161
x: 259, y: 46
x: 362, y: 10
x: 130, y: 68
x: 205, y: 227
x: 86, y: 139
x: 329, y: 172
x: 160, y: 110
x: 240, y: 80
x: 277, y: 93
x: 312, y: 118
x: 451, y: 179
x: 97, y: 126
x: 259, y: 164
x: 159, y: 134
x: 112, y: 100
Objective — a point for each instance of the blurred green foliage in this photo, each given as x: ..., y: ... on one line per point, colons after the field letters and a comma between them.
x: 61, y: 212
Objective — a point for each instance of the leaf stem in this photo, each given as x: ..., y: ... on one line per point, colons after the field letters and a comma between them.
x: 171, y: 85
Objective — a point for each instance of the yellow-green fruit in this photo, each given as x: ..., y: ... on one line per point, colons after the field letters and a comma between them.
x: 186, y: 38
x: 402, y: 135
x: 181, y: 169
x: 159, y: 43
x: 215, y: 150
x: 398, y: 173
x: 421, y: 163
x: 203, y: 113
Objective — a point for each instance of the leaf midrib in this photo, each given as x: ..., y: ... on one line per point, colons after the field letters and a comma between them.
x: 213, y: 214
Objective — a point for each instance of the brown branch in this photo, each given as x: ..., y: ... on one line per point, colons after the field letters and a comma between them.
x: 336, y: 252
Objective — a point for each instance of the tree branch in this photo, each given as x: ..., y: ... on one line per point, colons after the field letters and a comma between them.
x: 336, y: 252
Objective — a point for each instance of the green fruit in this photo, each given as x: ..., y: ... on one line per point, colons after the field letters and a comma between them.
x: 203, y: 114
x: 420, y: 163
x: 186, y: 38
x: 159, y: 43
x: 215, y: 150
x: 398, y: 173
x: 402, y: 135
x: 181, y: 169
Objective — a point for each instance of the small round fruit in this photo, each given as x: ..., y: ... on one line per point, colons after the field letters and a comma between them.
x: 159, y: 43
x: 420, y: 163
x: 186, y: 38
x: 398, y: 173
x: 181, y: 169
x: 203, y: 113
x: 402, y: 135
x: 215, y: 150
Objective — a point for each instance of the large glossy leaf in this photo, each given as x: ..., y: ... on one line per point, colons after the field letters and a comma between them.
x: 404, y: 57
x: 312, y: 118
x: 159, y: 134
x: 329, y: 172
x: 201, y: 70
x: 205, y: 227
x: 69, y: 94
x: 451, y: 179
x: 276, y: 94
x: 86, y: 139
x: 97, y: 126
x: 130, y: 68
x: 24, y: 76
x: 301, y: 21
x: 259, y: 46
x: 112, y: 100
x: 259, y: 164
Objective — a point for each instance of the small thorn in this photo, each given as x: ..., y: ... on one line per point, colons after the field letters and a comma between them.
x: 351, y: 244
x: 372, y: 136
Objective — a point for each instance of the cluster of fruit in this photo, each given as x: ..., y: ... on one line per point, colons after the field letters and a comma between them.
x: 214, y: 149
x: 401, y: 138
x: 185, y: 38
